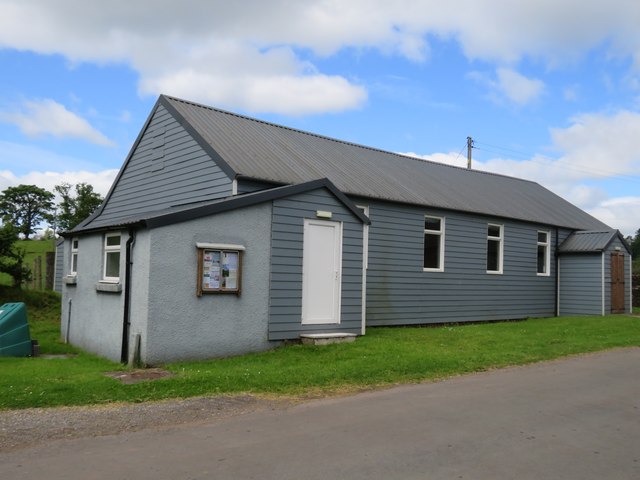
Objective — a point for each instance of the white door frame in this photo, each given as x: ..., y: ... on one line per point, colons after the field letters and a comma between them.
x: 321, y: 274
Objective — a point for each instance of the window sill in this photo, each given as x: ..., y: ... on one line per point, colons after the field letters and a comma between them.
x: 433, y: 269
x: 70, y: 280
x: 108, y: 287
x: 493, y: 272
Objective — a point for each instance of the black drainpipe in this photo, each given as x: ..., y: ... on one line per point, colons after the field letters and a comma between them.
x: 126, y: 321
x: 557, y: 258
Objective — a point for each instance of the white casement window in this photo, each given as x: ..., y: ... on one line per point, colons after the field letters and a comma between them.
x: 495, y: 248
x: 111, y: 269
x: 433, y: 259
x: 73, y: 267
x: 543, y: 253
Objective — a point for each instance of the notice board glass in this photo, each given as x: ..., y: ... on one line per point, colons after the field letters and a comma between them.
x: 219, y: 271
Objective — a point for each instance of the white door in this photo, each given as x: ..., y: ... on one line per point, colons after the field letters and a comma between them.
x: 321, y: 271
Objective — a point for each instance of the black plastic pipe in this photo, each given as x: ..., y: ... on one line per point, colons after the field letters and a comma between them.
x: 126, y: 321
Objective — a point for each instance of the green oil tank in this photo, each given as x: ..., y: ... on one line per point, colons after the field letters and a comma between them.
x: 15, y: 340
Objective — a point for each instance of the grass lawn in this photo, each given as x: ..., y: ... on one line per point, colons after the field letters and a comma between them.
x: 33, y: 249
x: 385, y: 356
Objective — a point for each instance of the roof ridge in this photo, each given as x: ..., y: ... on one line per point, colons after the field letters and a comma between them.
x: 344, y: 142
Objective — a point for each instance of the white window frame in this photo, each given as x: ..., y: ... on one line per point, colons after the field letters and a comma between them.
x: 500, y: 240
x: 110, y: 249
x: 547, y: 253
x: 73, y: 265
x: 440, y: 233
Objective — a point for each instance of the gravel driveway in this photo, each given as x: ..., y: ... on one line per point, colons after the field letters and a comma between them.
x: 24, y: 428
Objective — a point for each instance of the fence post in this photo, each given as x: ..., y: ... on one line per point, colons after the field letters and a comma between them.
x: 50, y: 268
x: 37, y: 273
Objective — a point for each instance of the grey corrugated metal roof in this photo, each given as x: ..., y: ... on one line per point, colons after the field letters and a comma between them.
x: 270, y: 152
x: 588, y: 241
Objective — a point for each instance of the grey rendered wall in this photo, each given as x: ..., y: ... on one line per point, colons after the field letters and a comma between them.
x: 183, y: 326
x: 139, y: 298
x: 399, y: 292
x: 167, y: 168
x: 285, y: 312
x: 581, y: 284
x: 94, y: 317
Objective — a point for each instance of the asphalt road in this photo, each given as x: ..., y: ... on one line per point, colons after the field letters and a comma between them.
x: 577, y: 418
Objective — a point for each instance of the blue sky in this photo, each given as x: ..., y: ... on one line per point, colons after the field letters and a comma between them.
x: 549, y: 91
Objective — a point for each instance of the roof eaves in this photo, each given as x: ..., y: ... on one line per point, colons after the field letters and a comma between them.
x: 608, y: 237
x: 125, y: 223
x: 617, y: 234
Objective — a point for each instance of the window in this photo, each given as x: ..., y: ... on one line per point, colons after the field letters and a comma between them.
x: 433, y: 259
x: 494, y: 248
x: 543, y: 253
x: 219, y: 268
x: 73, y: 268
x: 111, y: 271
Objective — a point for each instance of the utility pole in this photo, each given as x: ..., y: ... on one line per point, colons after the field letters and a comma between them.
x: 469, y: 147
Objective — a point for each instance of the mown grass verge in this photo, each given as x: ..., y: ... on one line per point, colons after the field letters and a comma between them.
x: 385, y: 356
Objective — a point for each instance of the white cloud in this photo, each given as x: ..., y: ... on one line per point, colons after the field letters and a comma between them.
x: 286, y: 94
x: 101, y: 181
x: 220, y: 44
x: 518, y: 88
x: 621, y: 213
x: 509, y: 85
x: 48, y: 117
x: 600, y: 145
x: 594, y: 148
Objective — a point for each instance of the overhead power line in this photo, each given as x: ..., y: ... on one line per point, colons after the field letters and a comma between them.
x: 545, y: 160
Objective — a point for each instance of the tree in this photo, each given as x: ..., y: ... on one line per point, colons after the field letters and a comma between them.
x: 635, y: 245
x: 11, y: 259
x: 25, y: 206
x: 73, y: 209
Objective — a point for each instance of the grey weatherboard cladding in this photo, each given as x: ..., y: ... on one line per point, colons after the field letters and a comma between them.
x: 272, y: 153
x: 581, y: 284
x: 399, y: 292
x: 585, y: 270
x: 166, y: 167
x: 285, y: 309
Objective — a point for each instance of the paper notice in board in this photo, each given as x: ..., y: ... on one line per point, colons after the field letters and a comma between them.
x: 230, y: 270
x: 231, y: 260
x: 232, y: 280
x: 215, y: 277
x: 211, y: 269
